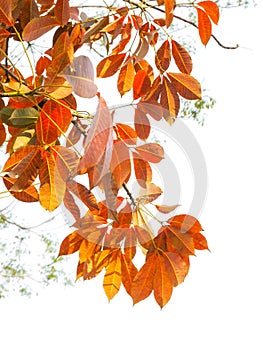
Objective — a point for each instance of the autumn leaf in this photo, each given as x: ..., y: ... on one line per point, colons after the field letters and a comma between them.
x: 70, y: 244
x: 126, y: 133
x: 110, y: 65
x: 150, y: 193
x: 204, y: 26
x: 162, y: 285
x: 80, y: 74
x: 52, y: 186
x: 54, y: 119
x: 6, y: 13
x: 112, y: 277
x: 97, y: 139
x: 142, y: 169
x: 165, y: 209
x: 29, y: 195
x: 62, y: 11
x: 141, y: 84
x: 211, y: 8
x: 163, y: 57
x: 187, y: 86
x: 141, y: 124
x: 142, y: 285
x: 38, y: 26
x: 125, y: 79
x: 128, y: 273
x: 152, y: 152
x: 181, y: 57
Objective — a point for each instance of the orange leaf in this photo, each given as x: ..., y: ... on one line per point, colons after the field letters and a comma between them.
x: 143, y: 171
x: 126, y: 133
x: 176, y: 267
x: 182, y: 241
x: 66, y: 161
x: 162, y: 286
x: 128, y: 273
x: 141, y: 84
x: 110, y: 65
x: 52, y: 186
x: 85, y: 195
x: 120, y: 163
x: 187, y: 86
x: 211, y: 8
x: 71, y: 206
x: 186, y: 223
x: 25, y: 172
x: 98, y: 136
x: 62, y: 11
x: 163, y: 57
x: 169, y: 6
x: 150, y: 193
x: 142, y: 285
x: 144, y: 65
x: 125, y: 79
x: 153, y: 108
x: 87, y: 249
x: 169, y: 100
x: 142, y: 124
x: 80, y: 74
x: 6, y: 13
x: 29, y: 195
x: 204, y: 26
x: 165, y: 209
x: 54, y: 119
x: 70, y: 244
x: 112, y: 278
x: 152, y: 152
x: 200, y: 241
x: 182, y: 58
x: 38, y: 26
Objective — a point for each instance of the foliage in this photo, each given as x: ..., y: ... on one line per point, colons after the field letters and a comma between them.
x: 59, y: 156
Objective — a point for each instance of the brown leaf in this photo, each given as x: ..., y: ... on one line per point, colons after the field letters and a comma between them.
x: 6, y: 13
x: 2, y: 133
x: 29, y: 195
x: 143, y: 171
x: 84, y: 194
x: 181, y: 57
x: 163, y: 57
x: 142, y: 124
x: 187, y: 86
x: 38, y: 26
x: 62, y: 11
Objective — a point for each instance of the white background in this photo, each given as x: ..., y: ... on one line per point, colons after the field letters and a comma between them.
x: 219, y: 306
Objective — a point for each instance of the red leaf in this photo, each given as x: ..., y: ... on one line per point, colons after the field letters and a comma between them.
x: 62, y: 11
x: 211, y: 8
x: 204, y: 26
x: 38, y: 26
